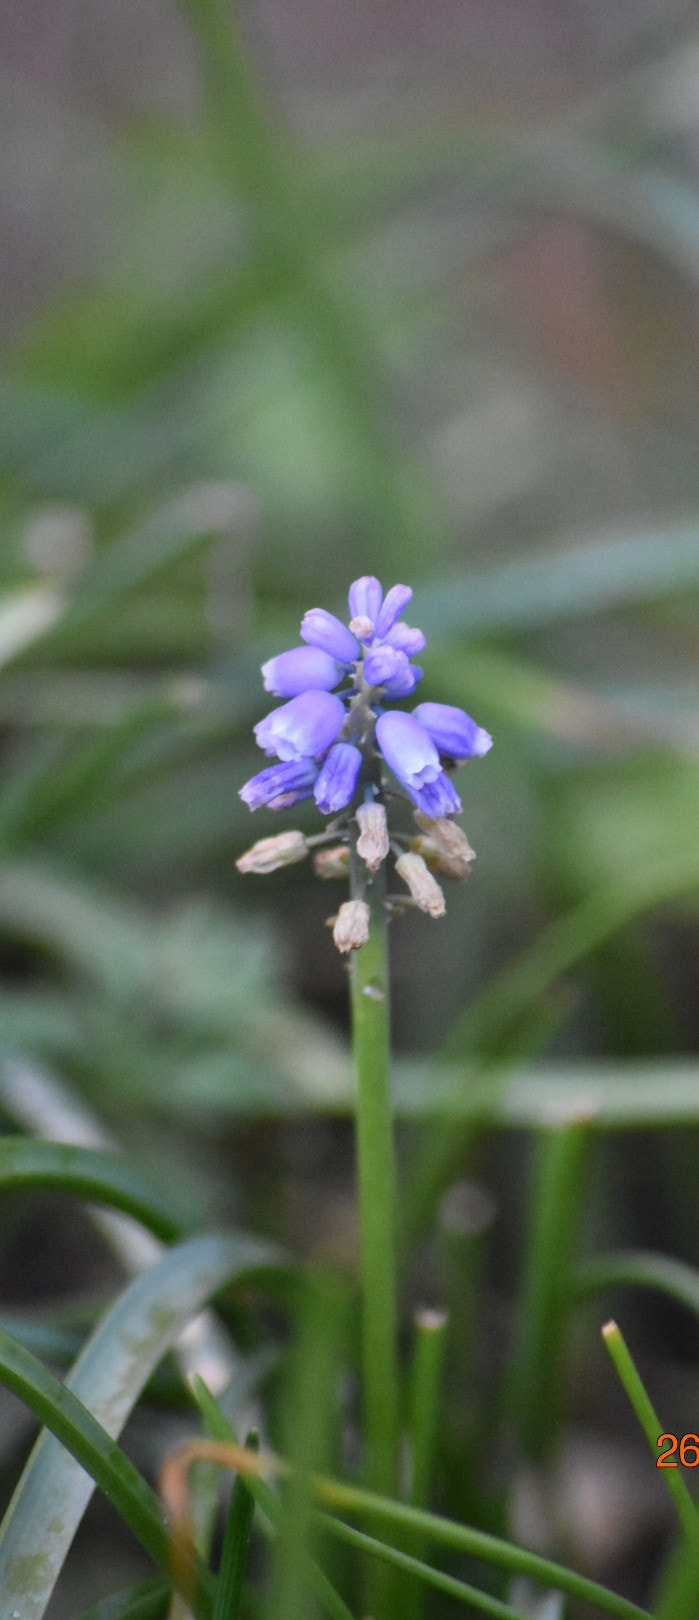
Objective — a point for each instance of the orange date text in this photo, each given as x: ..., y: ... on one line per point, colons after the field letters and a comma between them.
x: 685, y: 1446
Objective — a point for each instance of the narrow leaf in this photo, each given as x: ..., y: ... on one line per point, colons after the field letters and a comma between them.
x: 236, y: 1541
x: 148, y: 1600
x: 640, y: 1269
x: 219, y: 1428
x: 102, y: 1178
x: 460, y: 1590
x: 172, y: 532
x: 586, y: 577
x: 108, y: 1378
x: 651, y: 1426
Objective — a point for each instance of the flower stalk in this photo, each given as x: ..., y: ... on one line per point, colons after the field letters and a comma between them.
x: 376, y: 1176
x: 332, y: 739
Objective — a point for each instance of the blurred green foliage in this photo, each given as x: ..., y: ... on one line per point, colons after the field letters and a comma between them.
x: 274, y: 379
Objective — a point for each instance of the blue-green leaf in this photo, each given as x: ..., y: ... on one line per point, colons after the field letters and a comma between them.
x: 108, y: 1378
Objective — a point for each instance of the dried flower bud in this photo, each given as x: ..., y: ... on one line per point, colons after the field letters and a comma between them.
x: 332, y: 863
x: 351, y: 928
x: 445, y: 847
x: 372, y: 843
x: 442, y: 864
x: 268, y: 854
x: 424, y: 889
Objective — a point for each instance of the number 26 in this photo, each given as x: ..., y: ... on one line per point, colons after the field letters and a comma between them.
x: 688, y: 1450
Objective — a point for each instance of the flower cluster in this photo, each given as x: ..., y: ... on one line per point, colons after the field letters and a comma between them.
x: 320, y: 736
x: 334, y: 732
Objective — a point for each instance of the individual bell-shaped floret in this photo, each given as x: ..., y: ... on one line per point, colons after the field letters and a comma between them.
x: 301, y: 669
x: 453, y: 731
x: 337, y: 778
x: 321, y: 629
x: 302, y: 728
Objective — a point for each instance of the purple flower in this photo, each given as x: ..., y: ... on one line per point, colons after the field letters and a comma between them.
x: 396, y: 599
x: 321, y: 629
x: 280, y: 784
x: 301, y: 670
x: 407, y: 640
x: 365, y: 599
x: 338, y: 778
x: 402, y: 685
x: 438, y: 798
x: 408, y: 750
x: 385, y: 663
x: 302, y: 728
x: 453, y: 731
x: 327, y: 744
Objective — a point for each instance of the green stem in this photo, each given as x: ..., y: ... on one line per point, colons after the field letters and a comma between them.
x: 377, y: 1188
x: 652, y: 1428
x: 425, y: 1390
x: 424, y: 1429
x: 538, y: 1367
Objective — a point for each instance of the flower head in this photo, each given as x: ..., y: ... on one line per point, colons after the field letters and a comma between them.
x: 335, y: 734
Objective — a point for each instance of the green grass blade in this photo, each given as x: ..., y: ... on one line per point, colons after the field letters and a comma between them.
x: 87, y: 1173
x: 637, y: 1268
x: 236, y: 1542
x: 84, y: 1438
x: 219, y: 1428
x: 652, y: 1427
x: 569, y: 940
x: 147, y: 1600
x: 425, y: 1392
x: 170, y: 533
x: 256, y: 163
x: 82, y: 778
x: 462, y: 1538
x: 678, y: 1597
x: 109, y: 941
x: 586, y: 577
x: 537, y: 1371
x: 424, y: 1430
x: 108, y: 1378
x: 58, y: 1344
x: 308, y: 1421
x: 463, y: 1593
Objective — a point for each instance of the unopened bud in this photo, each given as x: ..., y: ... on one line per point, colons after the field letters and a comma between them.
x: 445, y: 847
x: 332, y: 863
x: 372, y: 843
x: 362, y: 627
x: 270, y: 853
x: 351, y: 928
x: 423, y: 887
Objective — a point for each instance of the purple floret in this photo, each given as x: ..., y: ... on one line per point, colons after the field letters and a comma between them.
x: 338, y: 778
x: 306, y: 726
x: 288, y: 782
x: 302, y: 669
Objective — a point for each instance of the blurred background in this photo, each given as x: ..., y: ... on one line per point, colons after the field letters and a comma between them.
x: 391, y: 289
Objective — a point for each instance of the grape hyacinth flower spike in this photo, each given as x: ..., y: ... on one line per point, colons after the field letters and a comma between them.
x: 332, y: 740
